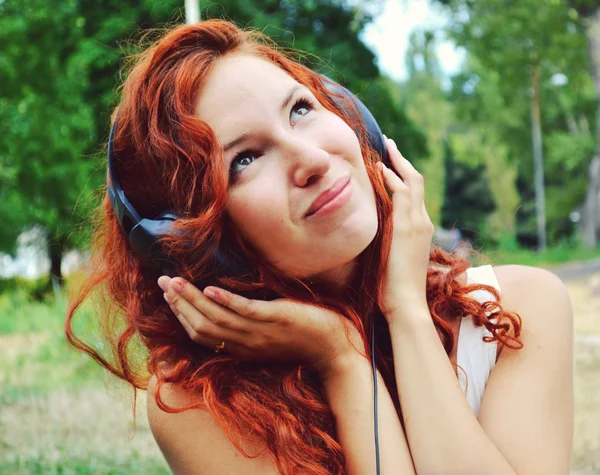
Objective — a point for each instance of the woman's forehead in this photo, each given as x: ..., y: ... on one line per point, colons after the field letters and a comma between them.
x: 239, y: 87
x: 237, y: 78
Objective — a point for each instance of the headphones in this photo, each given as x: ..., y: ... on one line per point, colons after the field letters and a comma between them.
x: 143, y: 233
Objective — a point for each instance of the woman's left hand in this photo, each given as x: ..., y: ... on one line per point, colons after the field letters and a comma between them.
x: 405, y: 279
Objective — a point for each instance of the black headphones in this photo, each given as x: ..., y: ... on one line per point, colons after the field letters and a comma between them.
x: 143, y: 234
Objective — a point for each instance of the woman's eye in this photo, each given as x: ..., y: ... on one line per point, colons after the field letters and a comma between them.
x: 300, y: 109
x: 242, y: 160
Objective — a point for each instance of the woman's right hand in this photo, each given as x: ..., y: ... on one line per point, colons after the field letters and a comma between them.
x: 281, y: 330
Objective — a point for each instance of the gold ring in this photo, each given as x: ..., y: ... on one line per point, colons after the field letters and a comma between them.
x: 219, y: 347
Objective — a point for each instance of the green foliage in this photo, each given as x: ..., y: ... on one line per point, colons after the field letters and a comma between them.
x: 428, y: 107
x: 468, y: 200
x: 492, y: 94
x: 34, y: 289
x: 47, y: 125
x: 40, y: 372
x: 25, y: 373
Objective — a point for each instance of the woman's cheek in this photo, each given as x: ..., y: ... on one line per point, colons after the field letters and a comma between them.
x: 258, y: 208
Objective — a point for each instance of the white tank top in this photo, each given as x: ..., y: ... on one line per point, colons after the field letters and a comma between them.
x: 474, y: 356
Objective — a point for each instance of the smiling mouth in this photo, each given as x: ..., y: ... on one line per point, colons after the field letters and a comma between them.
x: 332, y: 199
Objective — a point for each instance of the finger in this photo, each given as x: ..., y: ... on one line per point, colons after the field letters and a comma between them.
x: 400, y: 192
x: 225, y: 346
x: 199, y: 323
x: 412, y: 178
x: 392, y: 180
x: 258, y: 310
x: 218, y: 314
x: 196, y: 337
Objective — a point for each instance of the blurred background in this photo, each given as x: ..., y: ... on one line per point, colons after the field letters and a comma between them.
x: 496, y: 102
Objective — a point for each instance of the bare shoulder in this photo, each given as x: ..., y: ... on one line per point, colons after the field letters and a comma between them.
x: 542, y: 301
x: 193, y: 442
x: 526, y: 288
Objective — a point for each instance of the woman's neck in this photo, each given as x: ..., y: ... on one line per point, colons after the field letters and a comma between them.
x: 337, y: 280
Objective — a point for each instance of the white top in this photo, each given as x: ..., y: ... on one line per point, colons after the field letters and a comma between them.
x: 474, y: 356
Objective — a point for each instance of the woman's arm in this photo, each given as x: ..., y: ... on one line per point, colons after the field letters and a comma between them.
x: 282, y: 330
x: 526, y: 421
x: 349, y: 393
x: 525, y: 424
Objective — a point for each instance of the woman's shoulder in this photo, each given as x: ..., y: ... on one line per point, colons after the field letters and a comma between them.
x: 542, y: 302
x: 537, y: 295
x: 523, y: 285
x: 516, y: 282
x: 524, y: 288
x: 192, y: 441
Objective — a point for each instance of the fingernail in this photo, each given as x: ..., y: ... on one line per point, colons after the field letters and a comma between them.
x: 394, y: 143
x: 163, y: 282
x: 385, y: 136
x: 177, y: 286
x: 211, y: 293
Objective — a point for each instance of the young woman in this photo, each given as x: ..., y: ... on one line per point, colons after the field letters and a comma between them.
x: 253, y: 153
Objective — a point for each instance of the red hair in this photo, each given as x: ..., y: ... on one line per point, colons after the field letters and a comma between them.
x: 169, y: 159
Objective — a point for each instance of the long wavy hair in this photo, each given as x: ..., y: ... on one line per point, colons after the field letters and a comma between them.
x: 169, y: 159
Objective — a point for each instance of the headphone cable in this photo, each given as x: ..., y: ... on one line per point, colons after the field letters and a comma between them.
x: 375, y: 412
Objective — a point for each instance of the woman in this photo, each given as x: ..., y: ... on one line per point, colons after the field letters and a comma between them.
x: 253, y: 153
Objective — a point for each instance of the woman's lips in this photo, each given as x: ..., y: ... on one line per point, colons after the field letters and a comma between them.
x: 332, y: 199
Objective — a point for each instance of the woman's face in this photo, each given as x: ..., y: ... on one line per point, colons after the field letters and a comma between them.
x: 282, y: 149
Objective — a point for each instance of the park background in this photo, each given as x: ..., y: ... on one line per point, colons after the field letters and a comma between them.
x: 507, y: 138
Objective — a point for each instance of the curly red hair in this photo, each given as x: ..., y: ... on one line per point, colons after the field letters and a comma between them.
x: 169, y: 159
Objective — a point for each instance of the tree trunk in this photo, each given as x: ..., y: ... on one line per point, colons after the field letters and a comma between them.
x: 56, y: 249
x: 538, y: 158
x: 591, y: 218
x: 591, y: 209
x: 192, y: 11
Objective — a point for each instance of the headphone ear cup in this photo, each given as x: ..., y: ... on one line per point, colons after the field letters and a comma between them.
x: 144, y: 240
x: 144, y: 237
x: 374, y: 135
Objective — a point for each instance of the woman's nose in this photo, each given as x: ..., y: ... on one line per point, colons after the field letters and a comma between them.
x: 308, y: 162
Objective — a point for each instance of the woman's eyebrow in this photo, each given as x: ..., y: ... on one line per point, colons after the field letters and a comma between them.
x: 287, y: 100
x: 247, y: 135
x: 242, y: 138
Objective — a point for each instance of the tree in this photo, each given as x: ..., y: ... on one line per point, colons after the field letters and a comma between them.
x: 526, y: 50
x: 588, y: 11
x: 428, y: 107
x: 467, y: 202
x: 47, y: 124
x: 470, y: 184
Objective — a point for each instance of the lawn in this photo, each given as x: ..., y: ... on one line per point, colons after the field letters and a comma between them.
x: 60, y: 413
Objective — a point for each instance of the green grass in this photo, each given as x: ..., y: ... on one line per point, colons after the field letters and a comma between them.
x: 548, y: 258
x: 59, y: 411
x: 84, y: 466
x: 35, y: 355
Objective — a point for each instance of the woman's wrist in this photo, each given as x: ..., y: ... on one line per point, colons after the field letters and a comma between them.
x: 343, y: 366
x: 409, y: 317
